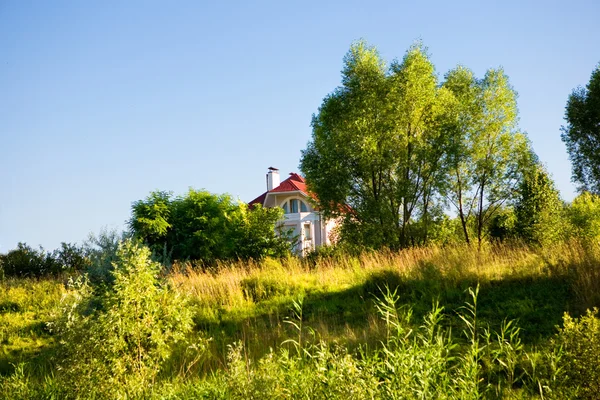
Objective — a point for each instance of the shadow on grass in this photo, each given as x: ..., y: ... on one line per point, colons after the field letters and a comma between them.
x: 34, y: 347
x: 349, y: 316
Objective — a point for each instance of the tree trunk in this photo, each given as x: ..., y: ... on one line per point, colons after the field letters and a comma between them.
x: 480, y: 218
x: 461, y: 212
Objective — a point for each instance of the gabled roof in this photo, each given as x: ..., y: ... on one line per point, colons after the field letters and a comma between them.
x: 295, y: 183
x: 292, y: 184
x: 259, y: 200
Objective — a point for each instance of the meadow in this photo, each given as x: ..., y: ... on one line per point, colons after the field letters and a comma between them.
x: 507, y: 321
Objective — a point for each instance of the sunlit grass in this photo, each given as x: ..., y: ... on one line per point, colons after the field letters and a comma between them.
x: 252, y: 303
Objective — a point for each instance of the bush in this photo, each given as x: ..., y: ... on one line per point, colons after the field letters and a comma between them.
x: 116, y: 344
x: 584, y: 213
x: 580, y: 342
x: 207, y: 227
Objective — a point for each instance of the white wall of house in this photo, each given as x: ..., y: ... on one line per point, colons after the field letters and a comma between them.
x: 307, y: 226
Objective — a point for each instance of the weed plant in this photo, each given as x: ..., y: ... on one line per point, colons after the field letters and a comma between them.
x: 453, y: 323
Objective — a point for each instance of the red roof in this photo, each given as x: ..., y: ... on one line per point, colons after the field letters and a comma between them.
x: 292, y: 184
x: 259, y: 200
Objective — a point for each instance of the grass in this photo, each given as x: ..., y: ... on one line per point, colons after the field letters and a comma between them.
x: 25, y: 307
x: 250, y: 313
x: 251, y: 301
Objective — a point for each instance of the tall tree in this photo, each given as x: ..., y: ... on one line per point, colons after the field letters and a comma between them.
x: 349, y: 156
x: 487, y: 153
x: 376, y: 147
x: 463, y: 127
x: 417, y: 109
x: 582, y: 134
x: 500, y: 152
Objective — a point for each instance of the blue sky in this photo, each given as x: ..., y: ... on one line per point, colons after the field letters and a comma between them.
x: 103, y: 102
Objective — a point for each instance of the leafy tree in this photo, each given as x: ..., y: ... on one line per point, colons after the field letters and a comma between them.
x: 152, y: 216
x: 257, y: 239
x: 582, y: 134
x: 502, y: 225
x: 539, y: 209
x: 487, y: 154
x: 584, y: 214
x: 390, y: 144
x: 376, y: 147
x: 25, y: 261
x: 207, y: 227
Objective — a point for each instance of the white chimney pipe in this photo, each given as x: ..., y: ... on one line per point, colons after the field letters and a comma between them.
x: 272, y: 179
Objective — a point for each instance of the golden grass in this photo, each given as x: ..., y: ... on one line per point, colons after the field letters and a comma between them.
x: 228, y: 284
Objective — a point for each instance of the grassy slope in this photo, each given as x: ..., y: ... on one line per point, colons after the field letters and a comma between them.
x: 251, y: 302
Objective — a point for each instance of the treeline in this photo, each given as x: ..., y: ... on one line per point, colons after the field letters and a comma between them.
x: 198, y: 226
x: 419, y: 160
x: 26, y: 261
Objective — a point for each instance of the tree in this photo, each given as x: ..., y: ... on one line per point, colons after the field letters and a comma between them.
x: 584, y: 214
x: 25, y: 261
x: 376, y: 147
x: 487, y: 154
x: 395, y: 147
x: 582, y: 134
x: 539, y: 209
x: 151, y: 218
x: 207, y: 227
x: 465, y: 111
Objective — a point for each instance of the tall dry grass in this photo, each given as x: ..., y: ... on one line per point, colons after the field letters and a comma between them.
x: 251, y: 301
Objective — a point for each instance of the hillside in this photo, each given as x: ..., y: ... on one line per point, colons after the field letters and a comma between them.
x: 421, y: 323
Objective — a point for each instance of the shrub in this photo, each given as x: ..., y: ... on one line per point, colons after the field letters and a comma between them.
x: 584, y: 213
x: 116, y: 345
x: 580, y: 342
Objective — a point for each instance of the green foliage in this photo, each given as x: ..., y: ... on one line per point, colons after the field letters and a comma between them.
x: 376, y: 146
x: 346, y: 336
x: 207, y: 227
x: 25, y: 261
x: 487, y: 154
x: 582, y: 133
x: 393, y: 146
x: 101, y: 251
x: 539, y: 209
x: 502, y: 225
x: 115, y: 345
x: 584, y: 214
x: 579, y: 341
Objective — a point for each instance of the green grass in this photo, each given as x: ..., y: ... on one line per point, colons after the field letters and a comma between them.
x: 25, y: 307
x: 249, y: 313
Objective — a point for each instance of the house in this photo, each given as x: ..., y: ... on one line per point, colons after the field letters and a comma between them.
x: 305, y: 223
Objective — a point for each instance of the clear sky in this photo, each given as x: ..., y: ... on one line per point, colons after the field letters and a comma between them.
x: 102, y: 102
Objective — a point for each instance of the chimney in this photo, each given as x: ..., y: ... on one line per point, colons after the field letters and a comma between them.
x: 272, y: 178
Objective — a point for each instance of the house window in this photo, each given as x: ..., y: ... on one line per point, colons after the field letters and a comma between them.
x: 294, y: 206
x: 303, y: 207
x: 307, y: 232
